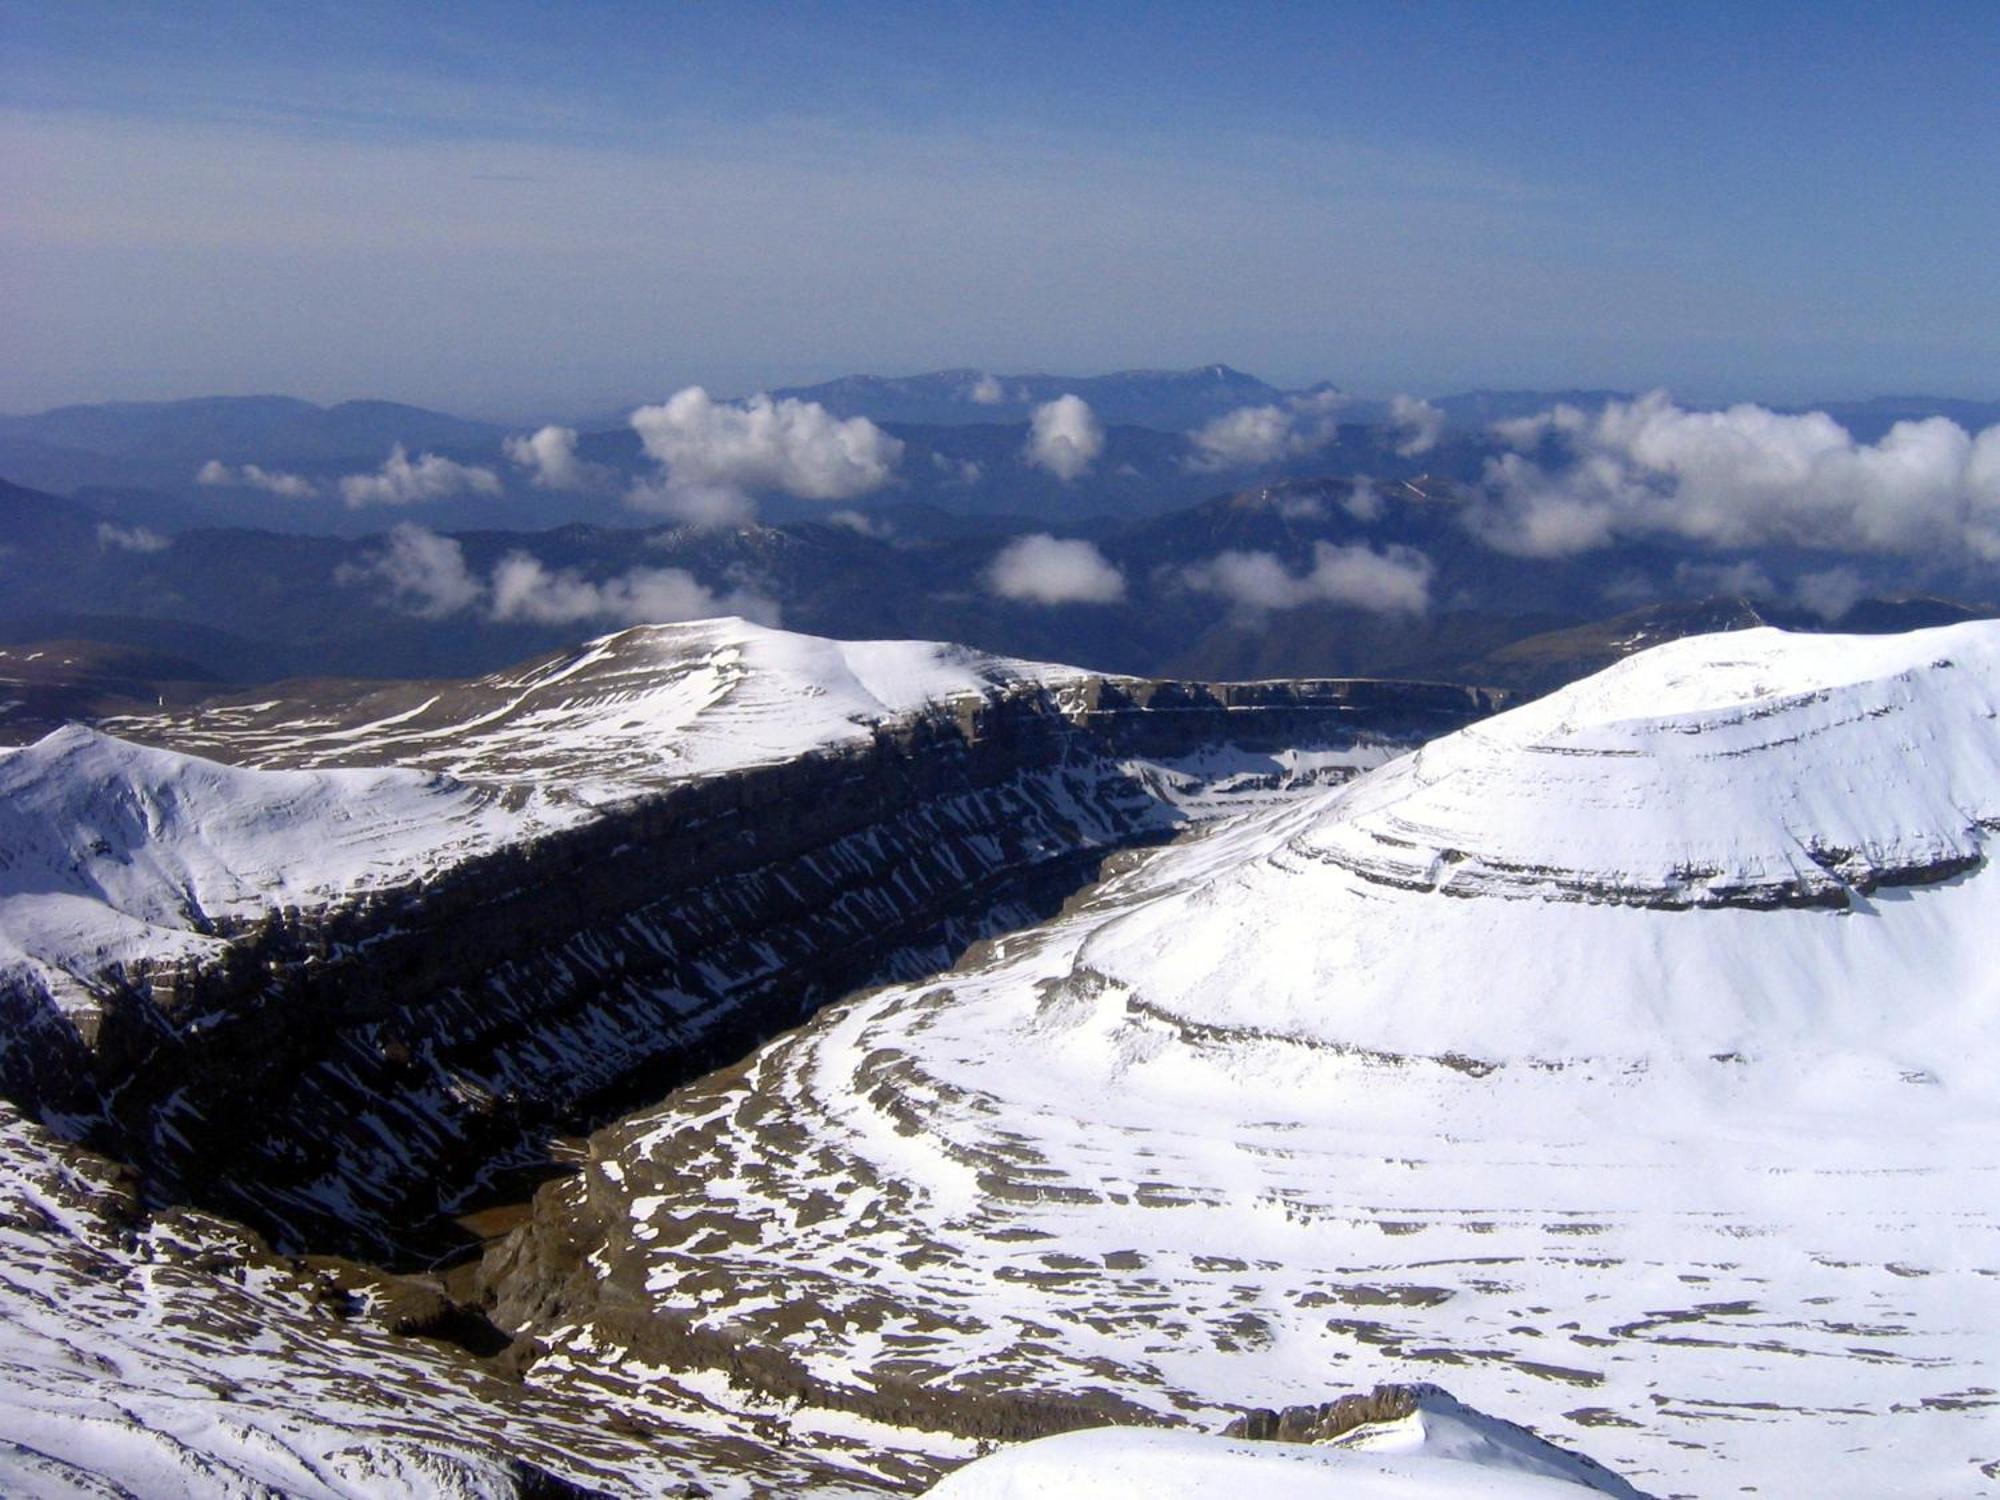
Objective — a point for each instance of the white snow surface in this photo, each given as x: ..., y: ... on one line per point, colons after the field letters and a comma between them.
x: 1444, y: 1450
x: 1628, y: 1061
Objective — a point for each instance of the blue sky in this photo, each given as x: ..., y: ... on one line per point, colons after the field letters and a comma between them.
x: 550, y: 209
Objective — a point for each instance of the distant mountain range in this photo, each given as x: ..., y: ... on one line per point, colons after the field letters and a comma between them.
x: 965, y: 435
x: 239, y: 429
x: 1169, y: 400
x: 247, y: 605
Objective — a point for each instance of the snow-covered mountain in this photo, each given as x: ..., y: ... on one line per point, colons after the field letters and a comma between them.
x: 445, y: 919
x: 115, y: 853
x: 349, y: 966
x: 1440, y: 1449
x: 1628, y: 1060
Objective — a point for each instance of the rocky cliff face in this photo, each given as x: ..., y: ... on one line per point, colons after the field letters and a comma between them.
x: 353, y: 1075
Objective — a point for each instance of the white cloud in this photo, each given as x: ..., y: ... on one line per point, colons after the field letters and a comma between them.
x: 1064, y: 437
x: 1628, y: 590
x: 427, y: 576
x: 860, y: 522
x: 524, y: 589
x: 1741, y: 477
x: 1396, y: 580
x: 1745, y: 579
x: 1830, y: 594
x: 1041, y: 569
x: 253, y: 477
x: 549, y: 456
x: 1305, y: 506
x: 431, y: 477
x: 1245, y: 438
x: 1253, y: 436
x: 961, y: 471
x: 1364, y: 501
x: 707, y: 507
x: 131, y: 538
x: 716, y: 455
x: 986, y: 391
x: 425, y: 573
x: 1420, y: 423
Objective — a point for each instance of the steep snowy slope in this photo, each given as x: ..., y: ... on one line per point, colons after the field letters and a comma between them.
x: 114, y: 854
x: 1442, y: 1450
x: 1628, y: 1060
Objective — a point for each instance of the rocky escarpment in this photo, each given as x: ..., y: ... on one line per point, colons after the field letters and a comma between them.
x: 352, y: 1076
x: 1674, y: 1177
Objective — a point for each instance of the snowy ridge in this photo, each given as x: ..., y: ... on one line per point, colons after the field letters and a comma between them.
x: 619, y: 715
x: 1754, y: 768
x: 611, y: 866
x: 1443, y: 1427
x: 1704, y: 1185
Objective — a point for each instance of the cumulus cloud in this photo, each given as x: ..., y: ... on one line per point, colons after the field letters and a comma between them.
x: 704, y: 506
x: 961, y: 471
x: 1244, y: 438
x: 1829, y: 594
x: 216, y: 473
x: 860, y: 522
x: 986, y: 391
x: 1041, y: 569
x: 402, y: 481
x: 426, y: 575
x: 1395, y: 580
x: 131, y: 538
x: 524, y: 589
x: 716, y: 455
x: 1420, y: 423
x: 1742, y: 477
x: 1253, y: 436
x: 549, y: 456
x: 1364, y: 501
x: 1746, y: 579
x: 1064, y: 437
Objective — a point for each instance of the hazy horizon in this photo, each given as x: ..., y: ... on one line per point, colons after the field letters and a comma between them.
x: 509, y: 210
x: 616, y: 411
